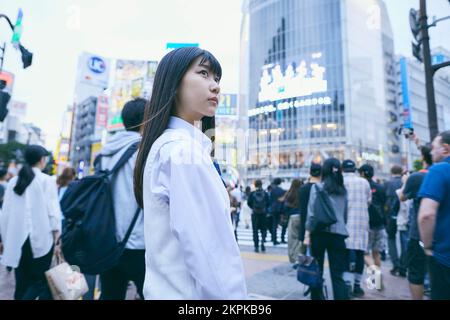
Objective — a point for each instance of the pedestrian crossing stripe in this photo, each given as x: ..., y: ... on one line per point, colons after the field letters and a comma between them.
x: 245, y: 237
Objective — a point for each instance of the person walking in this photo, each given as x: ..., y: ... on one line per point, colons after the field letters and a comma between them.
x: 258, y: 201
x: 131, y: 266
x: 332, y: 239
x: 30, y: 225
x: 292, y: 211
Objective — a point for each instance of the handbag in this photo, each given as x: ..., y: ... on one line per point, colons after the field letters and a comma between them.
x: 66, y: 283
x: 308, y: 271
x: 324, y: 215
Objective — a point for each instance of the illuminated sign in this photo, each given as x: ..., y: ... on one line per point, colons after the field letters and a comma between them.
x: 289, y: 105
x: 227, y: 105
x: 172, y: 45
x: 96, y: 65
x: 300, y: 80
x: 371, y: 157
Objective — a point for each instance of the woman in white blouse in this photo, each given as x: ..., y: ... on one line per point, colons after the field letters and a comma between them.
x: 191, y: 252
x: 30, y: 225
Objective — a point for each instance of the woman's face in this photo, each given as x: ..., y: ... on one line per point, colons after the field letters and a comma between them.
x: 198, y: 93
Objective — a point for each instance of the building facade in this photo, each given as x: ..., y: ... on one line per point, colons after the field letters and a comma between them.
x: 321, y: 83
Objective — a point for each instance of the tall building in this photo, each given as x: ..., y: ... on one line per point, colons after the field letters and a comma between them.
x: 321, y: 83
x: 83, y: 135
x: 412, y: 101
x: 92, y: 80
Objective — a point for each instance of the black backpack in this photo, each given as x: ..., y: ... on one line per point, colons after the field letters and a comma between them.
x: 259, y: 201
x: 88, y: 238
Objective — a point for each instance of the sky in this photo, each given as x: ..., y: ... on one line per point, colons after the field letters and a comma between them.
x: 58, y: 31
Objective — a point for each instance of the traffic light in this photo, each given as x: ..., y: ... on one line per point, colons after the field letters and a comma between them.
x: 27, y: 57
x: 414, y: 23
x: 4, y: 99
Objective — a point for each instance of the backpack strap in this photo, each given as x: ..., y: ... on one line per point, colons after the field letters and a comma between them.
x: 124, y: 158
x: 131, y: 227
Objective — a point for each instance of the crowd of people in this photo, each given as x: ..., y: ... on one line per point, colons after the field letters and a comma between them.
x: 178, y: 218
x: 373, y: 217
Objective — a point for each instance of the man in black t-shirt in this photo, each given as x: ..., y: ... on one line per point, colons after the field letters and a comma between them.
x: 377, y: 232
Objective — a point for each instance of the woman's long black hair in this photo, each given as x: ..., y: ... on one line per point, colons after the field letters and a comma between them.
x: 161, y: 107
x: 33, y: 155
x: 332, y: 177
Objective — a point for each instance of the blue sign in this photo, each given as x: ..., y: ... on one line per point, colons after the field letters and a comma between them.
x: 438, y: 58
x: 96, y: 65
x: 407, y: 121
x: 172, y: 45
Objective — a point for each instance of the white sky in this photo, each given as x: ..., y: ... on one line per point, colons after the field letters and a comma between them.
x: 57, y: 31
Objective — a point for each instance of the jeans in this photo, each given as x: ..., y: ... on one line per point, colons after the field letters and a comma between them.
x: 131, y: 267
x: 31, y: 282
x: 404, y: 238
x: 334, y: 245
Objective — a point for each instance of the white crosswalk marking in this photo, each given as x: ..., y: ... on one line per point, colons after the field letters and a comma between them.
x: 245, y: 237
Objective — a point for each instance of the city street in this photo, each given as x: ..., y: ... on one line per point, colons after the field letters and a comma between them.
x: 269, y: 276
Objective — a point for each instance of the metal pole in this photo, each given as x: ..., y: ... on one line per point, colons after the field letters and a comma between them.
x: 432, y: 113
x: 3, y: 56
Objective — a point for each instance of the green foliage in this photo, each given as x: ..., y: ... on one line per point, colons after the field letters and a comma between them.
x: 11, y: 151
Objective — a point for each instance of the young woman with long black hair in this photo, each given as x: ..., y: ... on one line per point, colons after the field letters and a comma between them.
x: 191, y: 252
x: 30, y: 225
x: 332, y: 239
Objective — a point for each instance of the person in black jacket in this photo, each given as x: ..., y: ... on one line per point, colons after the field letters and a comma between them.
x: 276, y: 205
x: 392, y: 209
x: 258, y: 201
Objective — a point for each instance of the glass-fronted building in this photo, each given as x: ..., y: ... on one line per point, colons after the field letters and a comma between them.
x: 320, y: 83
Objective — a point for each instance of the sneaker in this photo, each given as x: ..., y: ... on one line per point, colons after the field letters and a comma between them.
x: 282, y: 241
x: 358, y: 292
x: 395, y: 272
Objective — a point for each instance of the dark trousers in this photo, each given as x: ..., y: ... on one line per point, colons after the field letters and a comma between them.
x: 31, y: 282
x: 355, y: 259
x: 440, y: 280
x: 392, y: 242
x: 131, y: 267
x: 259, y: 224
x: 334, y: 245
x: 269, y: 225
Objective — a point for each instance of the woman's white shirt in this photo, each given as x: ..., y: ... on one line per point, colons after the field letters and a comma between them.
x: 34, y: 214
x: 191, y: 252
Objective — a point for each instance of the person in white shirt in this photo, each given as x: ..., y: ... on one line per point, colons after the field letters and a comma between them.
x: 30, y: 225
x: 191, y: 252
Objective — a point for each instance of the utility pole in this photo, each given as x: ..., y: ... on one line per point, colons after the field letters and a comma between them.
x: 431, y: 102
x: 421, y: 50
